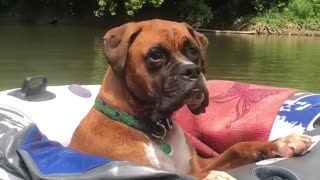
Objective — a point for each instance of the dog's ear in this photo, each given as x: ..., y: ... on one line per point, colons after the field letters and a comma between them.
x: 116, y: 44
x: 203, y: 44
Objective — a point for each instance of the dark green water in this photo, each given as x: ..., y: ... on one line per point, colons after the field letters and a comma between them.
x: 74, y: 54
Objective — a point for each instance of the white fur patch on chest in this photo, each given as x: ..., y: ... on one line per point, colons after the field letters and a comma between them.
x: 151, y: 155
x: 178, y: 160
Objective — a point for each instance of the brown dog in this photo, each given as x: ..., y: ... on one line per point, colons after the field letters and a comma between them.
x: 156, y: 67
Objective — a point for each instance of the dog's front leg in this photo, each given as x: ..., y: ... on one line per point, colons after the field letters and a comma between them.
x: 248, y: 152
x: 198, y: 170
x: 245, y: 153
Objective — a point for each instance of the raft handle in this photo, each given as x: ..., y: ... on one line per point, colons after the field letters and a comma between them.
x: 33, y: 89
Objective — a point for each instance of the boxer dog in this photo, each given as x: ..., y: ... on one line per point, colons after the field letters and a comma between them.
x: 155, y: 68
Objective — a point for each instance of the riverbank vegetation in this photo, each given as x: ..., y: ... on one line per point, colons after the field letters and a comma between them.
x: 280, y: 17
x: 261, y: 16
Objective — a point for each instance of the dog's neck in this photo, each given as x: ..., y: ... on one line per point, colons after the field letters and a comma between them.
x: 114, y: 92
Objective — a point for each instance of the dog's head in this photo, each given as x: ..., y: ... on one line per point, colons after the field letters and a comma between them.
x: 162, y: 64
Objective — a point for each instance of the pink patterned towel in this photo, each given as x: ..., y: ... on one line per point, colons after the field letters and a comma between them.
x: 237, y: 112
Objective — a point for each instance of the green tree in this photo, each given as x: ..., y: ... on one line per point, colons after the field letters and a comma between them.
x: 264, y: 5
x: 195, y: 12
x: 132, y: 6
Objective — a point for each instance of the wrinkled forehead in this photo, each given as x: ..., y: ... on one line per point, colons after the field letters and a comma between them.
x: 170, y: 35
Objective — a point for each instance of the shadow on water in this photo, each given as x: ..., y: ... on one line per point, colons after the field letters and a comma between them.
x: 74, y: 54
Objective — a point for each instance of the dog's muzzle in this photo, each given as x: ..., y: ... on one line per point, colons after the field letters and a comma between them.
x: 187, y: 87
x: 197, y: 99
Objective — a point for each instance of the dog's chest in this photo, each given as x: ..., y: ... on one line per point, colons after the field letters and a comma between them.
x: 178, y: 159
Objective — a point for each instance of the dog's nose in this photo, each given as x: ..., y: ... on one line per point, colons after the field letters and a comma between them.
x: 190, y: 71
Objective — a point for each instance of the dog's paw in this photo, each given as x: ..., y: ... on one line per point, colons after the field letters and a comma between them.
x: 293, y: 145
x: 218, y: 175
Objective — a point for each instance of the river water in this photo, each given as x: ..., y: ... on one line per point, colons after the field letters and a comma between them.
x: 74, y: 55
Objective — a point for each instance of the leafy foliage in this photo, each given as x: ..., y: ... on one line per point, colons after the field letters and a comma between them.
x: 263, y: 5
x: 221, y: 14
x: 195, y: 12
x: 303, y: 13
x: 132, y: 6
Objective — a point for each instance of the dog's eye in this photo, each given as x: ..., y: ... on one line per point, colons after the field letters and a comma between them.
x: 156, y: 56
x: 193, y: 52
